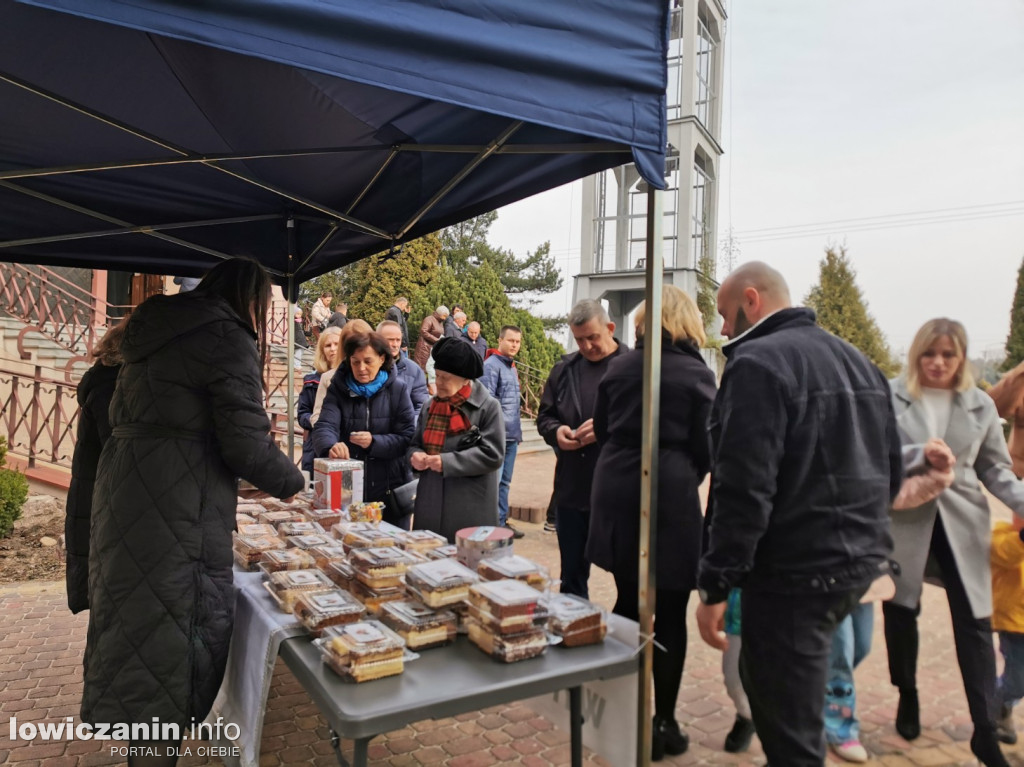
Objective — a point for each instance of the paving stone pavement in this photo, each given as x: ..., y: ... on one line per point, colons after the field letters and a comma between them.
x: 41, y: 646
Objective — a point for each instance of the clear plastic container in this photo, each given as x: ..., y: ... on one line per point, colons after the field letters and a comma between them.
x: 276, y: 517
x: 441, y: 582
x: 447, y: 551
x: 256, y: 528
x: 510, y: 624
x: 381, y: 567
x: 285, y: 586
x: 340, y: 572
x: 505, y: 600
x: 251, y: 508
x: 305, y: 527
x: 420, y: 540
x: 367, y: 538
x: 371, y: 511
x: 420, y: 626
x: 325, y: 554
x: 249, y: 549
x: 310, y: 541
x: 316, y: 611
x: 241, y: 520
x: 575, y: 619
x: 363, y: 651
x: 514, y: 567
x: 507, y: 648
x: 285, y: 559
x: 326, y: 518
x: 373, y: 599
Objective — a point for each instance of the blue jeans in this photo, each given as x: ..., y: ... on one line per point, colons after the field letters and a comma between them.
x: 850, y: 645
x: 1010, y: 687
x: 511, y: 448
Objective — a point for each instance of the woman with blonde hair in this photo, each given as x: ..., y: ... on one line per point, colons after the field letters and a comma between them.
x: 326, y: 358
x: 687, y: 391
x: 949, y: 536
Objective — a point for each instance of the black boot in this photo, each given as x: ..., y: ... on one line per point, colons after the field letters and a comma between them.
x: 908, y: 715
x: 738, y: 739
x: 1006, y: 732
x: 667, y: 738
x: 985, y: 746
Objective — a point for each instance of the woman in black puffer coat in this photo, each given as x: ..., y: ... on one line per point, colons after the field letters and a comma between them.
x: 368, y: 416
x: 188, y: 420
x: 94, y: 392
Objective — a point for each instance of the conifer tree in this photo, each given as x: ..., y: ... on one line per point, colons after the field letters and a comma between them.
x: 1015, y: 338
x: 841, y: 310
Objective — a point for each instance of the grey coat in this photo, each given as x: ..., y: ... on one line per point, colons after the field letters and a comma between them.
x: 465, y: 493
x: 976, y: 439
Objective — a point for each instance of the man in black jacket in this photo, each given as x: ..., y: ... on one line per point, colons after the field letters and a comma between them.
x: 399, y: 312
x: 805, y: 460
x: 565, y: 421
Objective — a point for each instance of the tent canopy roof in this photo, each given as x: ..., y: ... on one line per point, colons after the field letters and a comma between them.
x: 161, y: 136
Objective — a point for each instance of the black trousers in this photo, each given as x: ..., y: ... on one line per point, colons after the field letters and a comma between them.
x: 972, y: 636
x: 670, y: 633
x: 787, y: 641
x: 573, y: 527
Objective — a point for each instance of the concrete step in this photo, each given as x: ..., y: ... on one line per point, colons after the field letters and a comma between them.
x: 532, y: 441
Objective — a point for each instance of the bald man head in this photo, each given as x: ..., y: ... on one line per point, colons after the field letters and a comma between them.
x: 748, y: 295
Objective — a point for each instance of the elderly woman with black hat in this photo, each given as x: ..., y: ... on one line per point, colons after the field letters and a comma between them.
x: 459, y: 446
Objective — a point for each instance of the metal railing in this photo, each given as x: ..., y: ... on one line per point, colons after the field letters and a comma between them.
x: 531, y: 386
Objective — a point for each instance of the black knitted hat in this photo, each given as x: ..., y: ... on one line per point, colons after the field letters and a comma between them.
x: 455, y: 356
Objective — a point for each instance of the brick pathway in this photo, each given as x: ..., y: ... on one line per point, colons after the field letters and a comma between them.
x: 40, y: 680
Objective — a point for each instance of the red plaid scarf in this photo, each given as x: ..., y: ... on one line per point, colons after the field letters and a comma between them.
x: 444, y: 418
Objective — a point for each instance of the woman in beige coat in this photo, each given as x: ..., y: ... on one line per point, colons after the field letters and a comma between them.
x: 949, y: 536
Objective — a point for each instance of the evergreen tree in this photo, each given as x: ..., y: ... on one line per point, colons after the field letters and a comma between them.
x: 841, y: 310
x: 374, y: 283
x: 465, y: 245
x: 1015, y: 338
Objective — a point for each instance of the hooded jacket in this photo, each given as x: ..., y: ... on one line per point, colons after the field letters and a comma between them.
x: 187, y: 419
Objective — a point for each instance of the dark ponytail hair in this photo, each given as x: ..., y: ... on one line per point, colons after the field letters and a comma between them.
x: 245, y: 285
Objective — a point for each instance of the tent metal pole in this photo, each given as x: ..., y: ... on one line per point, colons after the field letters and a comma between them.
x: 649, y: 469
x: 290, y: 319
x: 369, y: 184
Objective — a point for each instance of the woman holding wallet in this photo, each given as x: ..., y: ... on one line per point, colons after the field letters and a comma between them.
x: 367, y: 415
x: 459, y: 446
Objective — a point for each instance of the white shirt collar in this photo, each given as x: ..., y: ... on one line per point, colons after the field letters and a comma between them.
x: 737, y: 338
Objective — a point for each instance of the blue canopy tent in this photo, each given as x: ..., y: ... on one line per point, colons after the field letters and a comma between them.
x: 164, y: 135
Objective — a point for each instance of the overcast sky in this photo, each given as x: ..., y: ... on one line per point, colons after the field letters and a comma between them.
x: 862, y: 109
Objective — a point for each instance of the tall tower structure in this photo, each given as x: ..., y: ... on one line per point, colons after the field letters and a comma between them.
x: 614, y: 209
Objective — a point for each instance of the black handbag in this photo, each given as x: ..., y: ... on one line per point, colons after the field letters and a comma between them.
x: 402, y: 499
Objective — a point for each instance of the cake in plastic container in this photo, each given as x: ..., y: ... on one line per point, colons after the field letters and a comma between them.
x: 576, y: 620
x: 285, y: 586
x: 507, y: 648
x: 448, y: 551
x: 241, y: 520
x: 310, y: 541
x: 368, y: 537
x: 275, y: 560
x: 371, y: 511
x: 374, y: 599
x: 326, y: 518
x: 276, y: 517
x: 326, y: 553
x: 506, y: 607
x: 256, y: 528
x: 420, y: 540
x: 441, y: 582
x: 381, y: 567
x: 515, y: 567
x: 340, y: 572
x: 420, y: 626
x: 305, y: 527
x: 250, y: 508
x: 318, y: 610
x: 249, y: 549
x: 363, y: 651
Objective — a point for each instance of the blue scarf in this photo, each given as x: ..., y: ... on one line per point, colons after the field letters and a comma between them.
x: 367, y: 389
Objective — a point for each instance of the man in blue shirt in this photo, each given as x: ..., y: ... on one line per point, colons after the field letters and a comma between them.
x: 501, y: 379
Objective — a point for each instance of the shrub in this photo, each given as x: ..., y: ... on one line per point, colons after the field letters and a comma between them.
x: 3, y: 450
x: 13, y: 494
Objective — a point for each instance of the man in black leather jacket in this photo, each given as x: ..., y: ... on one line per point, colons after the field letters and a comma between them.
x: 805, y: 461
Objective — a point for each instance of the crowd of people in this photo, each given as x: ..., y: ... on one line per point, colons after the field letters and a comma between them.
x: 831, y: 488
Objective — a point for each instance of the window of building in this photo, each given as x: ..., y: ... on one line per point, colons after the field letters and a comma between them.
x: 702, y: 196
x: 706, y: 67
x: 675, y: 65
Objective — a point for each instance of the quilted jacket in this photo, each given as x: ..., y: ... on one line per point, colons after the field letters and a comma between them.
x: 501, y: 379
x: 387, y: 415
x: 187, y: 419
x: 303, y: 411
x: 95, y: 391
